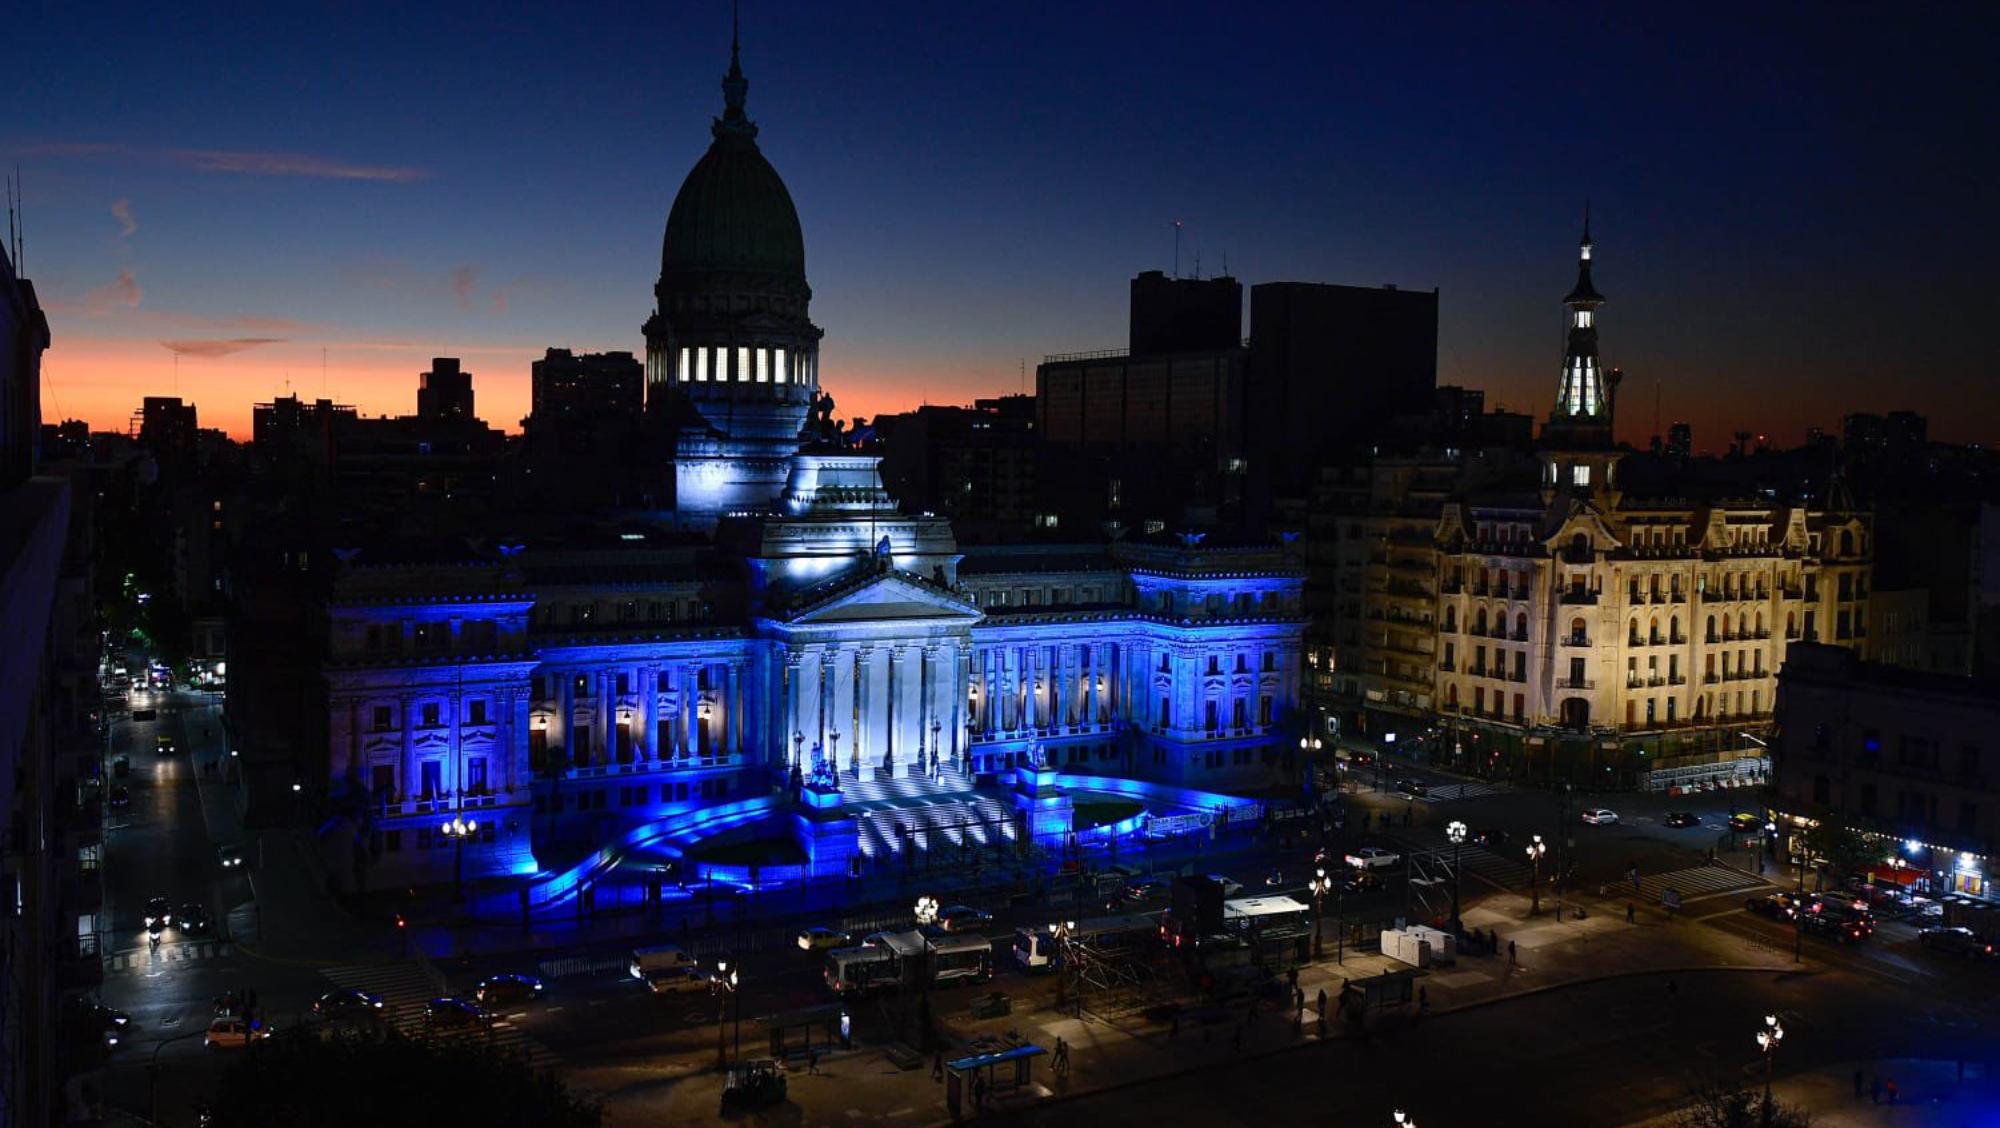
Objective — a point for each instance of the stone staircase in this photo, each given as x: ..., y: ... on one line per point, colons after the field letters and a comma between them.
x: 940, y: 822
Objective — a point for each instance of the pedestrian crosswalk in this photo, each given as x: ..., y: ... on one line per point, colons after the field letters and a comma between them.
x: 1692, y: 883
x: 1452, y: 792
x: 167, y: 955
x: 1496, y: 869
x: 406, y: 986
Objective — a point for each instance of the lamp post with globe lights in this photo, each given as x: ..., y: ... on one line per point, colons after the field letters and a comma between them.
x: 1321, y: 884
x: 1535, y: 850
x: 1456, y: 832
x: 1405, y: 1120
x: 1767, y: 1041
x: 458, y: 830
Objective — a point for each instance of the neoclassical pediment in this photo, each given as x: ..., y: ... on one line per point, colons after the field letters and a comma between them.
x: 885, y: 597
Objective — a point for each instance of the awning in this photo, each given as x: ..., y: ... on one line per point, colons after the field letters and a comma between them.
x: 981, y: 1061
x: 1894, y: 875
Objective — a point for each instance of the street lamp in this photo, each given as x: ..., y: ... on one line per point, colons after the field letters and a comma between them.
x: 1456, y: 831
x: 1535, y: 851
x: 458, y: 830
x: 725, y: 982
x: 1320, y: 885
x: 1767, y: 1041
x: 1405, y: 1120
x: 926, y: 910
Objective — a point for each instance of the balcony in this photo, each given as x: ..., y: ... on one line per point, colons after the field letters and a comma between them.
x: 1519, y: 636
x: 1448, y: 666
x: 1711, y: 679
x: 1579, y: 597
x: 1655, y: 681
x: 1676, y: 679
x: 1635, y: 683
x: 1678, y: 640
x: 1677, y: 596
x: 1476, y: 671
x: 1635, y: 596
x: 1575, y: 683
x: 1576, y: 640
x: 1451, y: 587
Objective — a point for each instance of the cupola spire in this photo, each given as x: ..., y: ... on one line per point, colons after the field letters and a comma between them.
x: 734, y: 87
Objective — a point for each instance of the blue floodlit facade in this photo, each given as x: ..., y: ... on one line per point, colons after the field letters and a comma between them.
x: 781, y: 652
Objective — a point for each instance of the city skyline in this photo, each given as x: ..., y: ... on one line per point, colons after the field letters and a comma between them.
x: 489, y: 225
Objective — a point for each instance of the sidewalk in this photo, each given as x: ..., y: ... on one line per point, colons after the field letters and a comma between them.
x: 1931, y: 1095
x: 865, y: 1085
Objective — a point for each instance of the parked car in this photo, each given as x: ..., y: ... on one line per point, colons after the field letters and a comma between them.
x: 678, y: 981
x: 230, y: 855
x: 819, y: 937
x: 453, y: 1013
x: 1373, y: 857
x: 231, y: 1033
x: 1682, y: 819
x: 193, y: 918
x: 509, y: 987
x: 159, y: 912
x: 1600, y: 816
x: 963, y: 918
x: 1955, y: 941
x: 349, y: 1003
x: 120, y: 798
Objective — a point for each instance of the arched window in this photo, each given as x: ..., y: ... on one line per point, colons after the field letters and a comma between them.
x: 1760, y: 622
x: 1580, y: 544
x: 1711, y: 628
x: 1846, y: 542
x: 1451, y: 695
x: 1521, y: 625
x: 1451, y: 618
x: 1674, y: 626
x: 1632, y: 632
x: 1742, y: 625
x: 1653, y: 629
x: 1791, y: 625
x: 1577, y: 635
x: 1479, y: 622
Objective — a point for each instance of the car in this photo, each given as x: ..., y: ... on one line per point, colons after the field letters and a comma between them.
x: 508, y: 987
x: 1599, y: 816
x: 121, y: 767
x: 94, y: 1015
x: 229, y: 855
x: 1373, y: 857
x: 163, y: 745
x: 1837, y: 907
x: 1777, y: 906
x: 349, y: 1003
x: 876, y: 939
x: 963, y: 918
x: 144, y: 714
x: 1957, y: 941
x: 1360, y: 759
x: 159, y: 912
x: 1359, y: 882
x: 1152, y: 890
x: 1745, y: 823
x: 677, y: 981
x: 1492, y: 837
x: 453, y: 1013
x: 120, y: 798
x: 1414, y: 788
x: 1230, y: 886
x: 819, y: 937
x: 1681, y: 819
x: 1841, y: 927
x: 193, y: 918
x: 232, y: 1033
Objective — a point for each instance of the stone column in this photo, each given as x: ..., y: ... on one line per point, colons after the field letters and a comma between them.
x: 340, y: 742
x: 410, y: 776
x: 961, y: 680
x: 895, y: 678
x: 561, y: 732
x: 454, y: 760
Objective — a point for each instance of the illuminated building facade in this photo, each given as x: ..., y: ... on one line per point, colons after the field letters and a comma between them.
x: 785, y: 648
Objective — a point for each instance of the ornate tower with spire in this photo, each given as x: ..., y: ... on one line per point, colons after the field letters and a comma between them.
x: 1587, y: 394
x: 732, y: 356
x: 1578, y: 436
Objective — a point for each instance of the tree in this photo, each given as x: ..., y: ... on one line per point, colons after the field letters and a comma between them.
x: 1844, y: 851
x: 391, y: 1082
x: 1722, y: 1106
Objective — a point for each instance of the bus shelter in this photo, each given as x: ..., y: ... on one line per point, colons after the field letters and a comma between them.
x: 1004, y: 1071
x: 796, y: 1033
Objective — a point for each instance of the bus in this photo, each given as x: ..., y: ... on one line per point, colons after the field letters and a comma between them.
x: 960, y: 959
x: 851, y: 971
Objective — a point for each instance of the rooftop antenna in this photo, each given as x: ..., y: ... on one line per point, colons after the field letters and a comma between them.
x: 1197, y: 265
x: 1177, y: 248
x: 1021, y: 375
x: 1225, y: 262
x: 322, y: 371
x: 1656, y: 407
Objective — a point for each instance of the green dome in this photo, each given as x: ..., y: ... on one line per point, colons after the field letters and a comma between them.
x: 734, y: 215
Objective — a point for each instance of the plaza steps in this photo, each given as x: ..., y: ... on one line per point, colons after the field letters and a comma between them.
x: 937, y: 821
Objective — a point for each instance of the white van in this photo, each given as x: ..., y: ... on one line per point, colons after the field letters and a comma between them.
x: 661, y: 957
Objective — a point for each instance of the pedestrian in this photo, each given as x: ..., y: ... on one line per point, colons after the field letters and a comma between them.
x: 1892, y: 1091
x: 1857, y: 1084
x: 979, y: 1093
x: 812, y: 1063
x: 1322, y: 1002
x: 937, y: 1067
x: 1299, y: 999
x: 1631, y: 912
x: 1512, y: 956
x: 1874, y: 1090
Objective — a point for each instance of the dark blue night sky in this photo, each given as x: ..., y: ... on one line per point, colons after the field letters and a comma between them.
x: 1792, y: 206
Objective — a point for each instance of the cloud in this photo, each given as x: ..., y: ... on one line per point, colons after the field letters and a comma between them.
x: 121, y: 210
x: 239, y: 161
x: 121, y: 292
x: 217, y: 348
x: 464, y: 280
